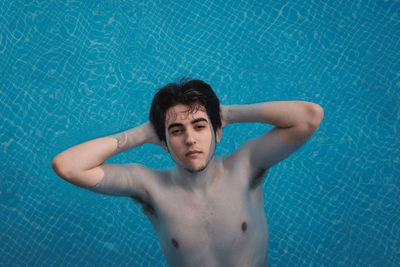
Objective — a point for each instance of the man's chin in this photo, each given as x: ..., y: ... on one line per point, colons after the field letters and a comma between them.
x: 194, y: 170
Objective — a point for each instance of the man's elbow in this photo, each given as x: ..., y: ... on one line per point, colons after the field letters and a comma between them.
x: 315, y: 114
x: 59, y: 168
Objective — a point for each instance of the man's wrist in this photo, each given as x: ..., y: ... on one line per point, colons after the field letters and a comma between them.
x: 133, y: 137
x: 240, y: 113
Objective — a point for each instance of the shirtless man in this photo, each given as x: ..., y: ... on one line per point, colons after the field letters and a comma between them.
x: 207, y: 211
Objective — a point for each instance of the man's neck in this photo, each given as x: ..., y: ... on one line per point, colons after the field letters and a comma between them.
x: 196, y: 181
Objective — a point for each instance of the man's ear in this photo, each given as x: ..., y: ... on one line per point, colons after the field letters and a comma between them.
x: 164, y: 145
x: 219, y: 135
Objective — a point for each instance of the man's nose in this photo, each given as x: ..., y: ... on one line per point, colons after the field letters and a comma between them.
x: 190, y: 137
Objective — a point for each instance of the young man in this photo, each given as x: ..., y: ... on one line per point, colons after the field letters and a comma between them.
x: 206, y: 211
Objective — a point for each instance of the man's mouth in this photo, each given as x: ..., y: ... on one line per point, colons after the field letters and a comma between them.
x: 192, y: 153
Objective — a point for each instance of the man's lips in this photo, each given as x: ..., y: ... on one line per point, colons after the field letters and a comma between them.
x: 192, y: 153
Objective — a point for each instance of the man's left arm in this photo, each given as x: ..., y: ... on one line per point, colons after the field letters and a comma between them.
x: 294, y: 121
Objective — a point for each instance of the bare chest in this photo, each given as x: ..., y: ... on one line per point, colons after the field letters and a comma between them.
x: 206, y: 217
x: 226, y: 220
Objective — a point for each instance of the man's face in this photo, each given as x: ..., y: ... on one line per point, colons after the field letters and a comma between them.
x: 189, y: 135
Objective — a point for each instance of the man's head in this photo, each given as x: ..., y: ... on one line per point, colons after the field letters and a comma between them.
x: 186, y: 117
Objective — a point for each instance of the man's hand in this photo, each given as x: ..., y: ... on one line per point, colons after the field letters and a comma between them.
x: 153, y: 137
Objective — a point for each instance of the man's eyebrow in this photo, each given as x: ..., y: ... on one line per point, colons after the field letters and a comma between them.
x: 199, y: 119
x: 192, y: 122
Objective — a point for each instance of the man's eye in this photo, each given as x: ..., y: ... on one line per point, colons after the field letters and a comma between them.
x: 176, y: 131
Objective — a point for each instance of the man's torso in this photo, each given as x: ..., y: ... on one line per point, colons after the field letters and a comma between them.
x: 224, y: 226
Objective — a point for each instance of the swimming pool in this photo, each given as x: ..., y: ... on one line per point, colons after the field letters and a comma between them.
x: 75, y: 70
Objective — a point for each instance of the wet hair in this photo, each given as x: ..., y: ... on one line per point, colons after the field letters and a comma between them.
x: 191, y: 93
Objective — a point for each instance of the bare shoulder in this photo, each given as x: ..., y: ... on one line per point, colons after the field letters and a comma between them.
x: 236, y: 164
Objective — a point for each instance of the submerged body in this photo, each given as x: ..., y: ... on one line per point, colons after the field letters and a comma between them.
x: 207, y: 211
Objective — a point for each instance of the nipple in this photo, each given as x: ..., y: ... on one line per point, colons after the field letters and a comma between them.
x: 244, y: 227
x: 174, y: 243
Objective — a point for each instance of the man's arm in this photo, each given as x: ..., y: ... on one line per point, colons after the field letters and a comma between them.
x: 295, y: 123
x: 83, y: 165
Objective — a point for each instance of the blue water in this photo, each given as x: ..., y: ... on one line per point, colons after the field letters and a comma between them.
x: 71, y: 71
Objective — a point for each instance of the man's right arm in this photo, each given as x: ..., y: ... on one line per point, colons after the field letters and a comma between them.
x: 83, y: 165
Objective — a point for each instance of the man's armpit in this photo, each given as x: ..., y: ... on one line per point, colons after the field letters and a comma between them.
x: 257, y: 178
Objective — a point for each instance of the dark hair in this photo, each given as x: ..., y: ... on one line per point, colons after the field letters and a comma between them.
x: 186, y: 92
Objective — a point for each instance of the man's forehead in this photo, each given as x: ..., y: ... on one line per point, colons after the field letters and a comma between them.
x: 183, y: 112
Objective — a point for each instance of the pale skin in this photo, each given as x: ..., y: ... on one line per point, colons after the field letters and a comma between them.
x: 204, y: 214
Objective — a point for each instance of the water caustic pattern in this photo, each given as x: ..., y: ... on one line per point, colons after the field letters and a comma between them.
x: 75, y: 70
